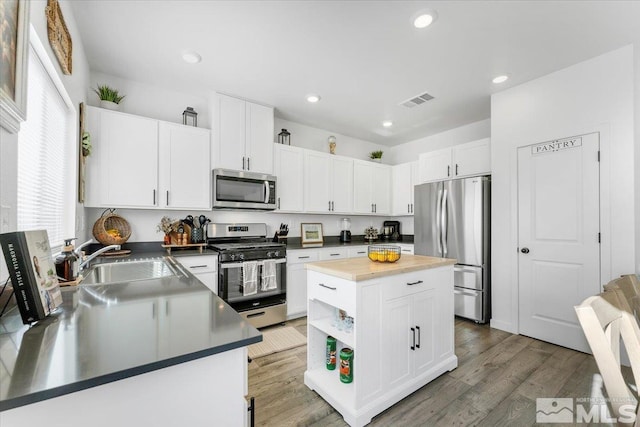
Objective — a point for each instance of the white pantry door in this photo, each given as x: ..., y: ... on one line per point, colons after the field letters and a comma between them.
x: 558, y: 236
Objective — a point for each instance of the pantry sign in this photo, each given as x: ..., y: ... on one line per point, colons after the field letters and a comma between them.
x: 557, y: 145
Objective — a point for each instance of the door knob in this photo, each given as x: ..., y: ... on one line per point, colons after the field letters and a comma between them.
x: 524, y: 250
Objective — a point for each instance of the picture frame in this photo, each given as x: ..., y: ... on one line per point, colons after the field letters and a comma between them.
x: 311, y: 234
x: 14, y: 20
x: 59, y: 36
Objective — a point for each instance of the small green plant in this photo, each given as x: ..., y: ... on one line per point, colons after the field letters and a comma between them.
x: 105, y: 93
x: 376, y: 154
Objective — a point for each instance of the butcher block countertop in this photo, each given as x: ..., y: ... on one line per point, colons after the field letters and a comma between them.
x: 359, y: 269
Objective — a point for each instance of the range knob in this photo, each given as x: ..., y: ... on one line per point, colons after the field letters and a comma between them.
x: 241, y: 256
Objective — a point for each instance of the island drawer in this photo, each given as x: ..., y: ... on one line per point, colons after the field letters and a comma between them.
x: 332, y: 290
x: 299, y: 257
x: 407, y: 284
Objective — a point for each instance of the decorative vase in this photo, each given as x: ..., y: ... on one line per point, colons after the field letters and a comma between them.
x: 377, y: 160
x: 109, y: 105
x: 332, y: 144
x: 167, y: 239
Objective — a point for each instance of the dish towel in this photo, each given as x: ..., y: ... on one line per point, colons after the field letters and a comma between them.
x: 249, y: 278
x: 269, y: 278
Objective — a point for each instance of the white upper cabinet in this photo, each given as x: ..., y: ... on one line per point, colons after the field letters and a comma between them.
x: 288, y: 168
x: 137, y: 162
x: 122, y: 170
x: 244, y: 137
x: 185, y: 171
x: 471, y: 159
x: 328, y: 183
x: 371, y: 188
x: 404, y: 178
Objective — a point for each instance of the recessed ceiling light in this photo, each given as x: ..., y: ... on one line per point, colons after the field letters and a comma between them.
x: 191, y: 57
x: 501, y: 79
x: 313, y: 98
x: 425, y: 18
x: 387, y: 123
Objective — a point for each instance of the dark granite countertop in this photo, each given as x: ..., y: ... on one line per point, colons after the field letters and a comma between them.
x: 105, y: 333
x: 334, y: 241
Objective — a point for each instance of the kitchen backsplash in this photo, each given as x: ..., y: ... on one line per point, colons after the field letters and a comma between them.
x: 143, y: 222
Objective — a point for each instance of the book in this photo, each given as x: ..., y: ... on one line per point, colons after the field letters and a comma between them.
x: 32, y: 272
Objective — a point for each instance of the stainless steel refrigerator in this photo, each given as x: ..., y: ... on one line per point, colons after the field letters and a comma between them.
x: 452, y: 220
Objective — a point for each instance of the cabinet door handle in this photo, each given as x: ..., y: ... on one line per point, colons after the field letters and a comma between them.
x: 408, y: 208
x: 329, y: 205
x: 362, y: 252
x: 252, y: 411
x: 278, y: 202
x: 413, y: 344
x: 304, y: 257
x: 199, y: 266
x: 411, y: 207
x: 418, y: 343
x: 456, y: 169
x: 333, y: 206
x: 154, y: 197
x: 328, y: 287
x: 153, y: 310
x: 334, y: 254
x: 371, y: 207
x: 243, y: 163
x: 167, y: 197
x: 414, y: 283
x: 248, y: 164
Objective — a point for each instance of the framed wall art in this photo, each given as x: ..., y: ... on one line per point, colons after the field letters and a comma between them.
x: 14, y: 21
x: 311, y: 234
x: 59, y: 36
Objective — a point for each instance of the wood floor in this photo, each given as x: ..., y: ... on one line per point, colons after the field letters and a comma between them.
x: 498, y: 379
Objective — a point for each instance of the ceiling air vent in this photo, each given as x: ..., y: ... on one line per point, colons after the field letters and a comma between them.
x: 420, y: 99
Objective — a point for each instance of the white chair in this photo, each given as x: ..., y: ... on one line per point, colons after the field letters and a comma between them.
x: 628, y: 291
x: 605, y: 325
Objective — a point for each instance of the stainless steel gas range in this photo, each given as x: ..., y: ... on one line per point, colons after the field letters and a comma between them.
x: 252, y: 271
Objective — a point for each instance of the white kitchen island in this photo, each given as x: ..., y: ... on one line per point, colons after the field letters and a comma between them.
x: 402, y: 336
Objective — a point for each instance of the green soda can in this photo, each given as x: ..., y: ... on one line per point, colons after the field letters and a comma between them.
x: 331, y: 353
x: 346, y: 365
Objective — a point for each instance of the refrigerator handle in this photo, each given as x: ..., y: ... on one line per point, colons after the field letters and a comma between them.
x: 438, y: 217
x: 443, y: 224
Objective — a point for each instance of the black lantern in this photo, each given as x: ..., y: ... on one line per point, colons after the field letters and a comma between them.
x: 190, y: 117
x: 284, y: 137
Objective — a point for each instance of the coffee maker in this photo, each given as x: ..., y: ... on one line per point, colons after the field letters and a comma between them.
x: 345, y: 233
x: 391, y: 230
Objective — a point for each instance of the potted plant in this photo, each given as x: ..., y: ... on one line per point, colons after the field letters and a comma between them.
x: 167, y: 225
x: 376, y: 156
x: 109, y: 97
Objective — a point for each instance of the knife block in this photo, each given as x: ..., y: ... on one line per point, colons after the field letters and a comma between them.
x: 280, y: 238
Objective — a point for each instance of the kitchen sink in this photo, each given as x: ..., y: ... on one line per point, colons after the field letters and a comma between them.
x: 127, y: 271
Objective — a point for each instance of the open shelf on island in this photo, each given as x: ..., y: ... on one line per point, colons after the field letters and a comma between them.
x: 324, y: 379
x: 324, y: 324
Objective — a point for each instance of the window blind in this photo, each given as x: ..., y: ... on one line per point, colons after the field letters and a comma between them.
x: 43, y: 157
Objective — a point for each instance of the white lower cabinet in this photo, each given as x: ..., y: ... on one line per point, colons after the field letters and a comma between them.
x: 402, y: 338
x: 357, y: 251
x: 204, y: 267
x: 297, y: 281
x: 333, y: 253
x: 405, y: 248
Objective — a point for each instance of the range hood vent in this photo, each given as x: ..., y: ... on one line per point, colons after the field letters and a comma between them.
x: 415, y: 101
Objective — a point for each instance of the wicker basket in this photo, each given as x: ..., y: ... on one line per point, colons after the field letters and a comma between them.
x: 108, y: 222
x: 384, y: 253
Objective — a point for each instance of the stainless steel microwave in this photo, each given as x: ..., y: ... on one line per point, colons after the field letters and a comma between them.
x: 243, y: 190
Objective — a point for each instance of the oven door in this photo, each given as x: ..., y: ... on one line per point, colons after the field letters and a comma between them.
x: 243, y: 190
x: 230, y: 286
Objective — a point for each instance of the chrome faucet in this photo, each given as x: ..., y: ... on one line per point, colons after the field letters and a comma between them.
x: 86, y: 262
x: 78, y: 249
